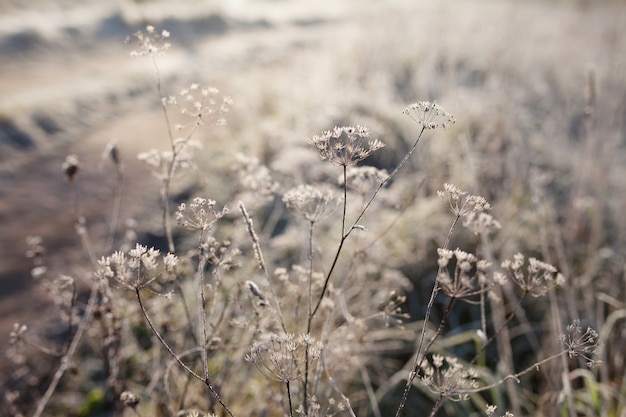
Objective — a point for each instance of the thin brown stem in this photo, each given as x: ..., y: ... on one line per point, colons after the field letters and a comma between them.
x: 516, y: 376
x: 345, y: 233
x: 419, y: 357
x: 261, y: 260
x: 158, y: 335
x: 502, y: 326
x: 71, y: 350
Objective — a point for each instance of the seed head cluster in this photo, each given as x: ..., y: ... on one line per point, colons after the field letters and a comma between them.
x: 200, y: 105
x: 200, y: 214
x: 362, y: 179
x: 345, y: 146
x: 462, y: 203
x: 137, y: 268
x: 447, y: 377
x: 582, y: 342
x: 150, y: 42
x: 470, y: 275
x: 282, y: 357
x: 429, y: 115
x: 537, y: 278
x: 308, y: 201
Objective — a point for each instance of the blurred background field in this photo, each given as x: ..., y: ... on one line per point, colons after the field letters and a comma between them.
x: 538, y: 89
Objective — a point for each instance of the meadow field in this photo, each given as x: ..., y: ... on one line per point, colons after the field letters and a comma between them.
x: 329, y: 208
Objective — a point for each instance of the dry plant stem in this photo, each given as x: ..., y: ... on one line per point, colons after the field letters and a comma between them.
x: 259, y: 255
x: 503, y: 341
x: 386, y: 180
x: 419, y: 356
x: 166, y: 379
x: 502, y: 326
x: 81, y: 228
x: 66, y: 359
x: 289, y: 397
x: 87, y: 315
x: 555, y: 309
x: 202, y: 308
x: 371, y: 395
x: 516, y: 376
x: 345, y: 233
x: 69, y: 317
x: 86, y: 242
x: 565, y: 380
x: 117, y: 207
x: 43, y: 349
x: 437, y: 406
x: 206, y: 380
x: 310, y: 313
x: 332, y: 383
x: 165, y: 184
x: 165, y: 211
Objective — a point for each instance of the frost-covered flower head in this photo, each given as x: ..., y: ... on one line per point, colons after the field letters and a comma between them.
x: 310, y: 202
x: 151, y: 42
x: 462, y: 203
x: 137, y: 268
x: 447, y: 377
x: 582, y: 342
x: 362, y: 179
x: 537, y: 278
x: 346, y: 145
x: 470, y: 276
x: 200, y: 105
x: 282, y: 357
x: 429, y: 115
x: 199, y: 214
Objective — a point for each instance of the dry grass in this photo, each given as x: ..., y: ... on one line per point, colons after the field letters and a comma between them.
x: 538, y: 93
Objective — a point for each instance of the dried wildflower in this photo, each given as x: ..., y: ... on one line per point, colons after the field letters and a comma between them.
x: 448, y: 378
x: 254, y: 176
x: 481, y: 223
x: 150, y: 43
x: 201, y: 105
x: 581, y: 342
x: 538, y: 279
x: 220, y: 254
x: 256, y: 291
x: 469, y: 277
x: 258, y: 253
x: 308, y: 201
x: 362, y: 179
x: 129, y: 399
x: 392, y: 310
x: 137, y: 268
x: 491, y: 409
x: 15, y: 337
x: 461, y: 203
x: 345, y: 146
x: 203, y: 215
x: 111, y: 151
x: 282, y: 357
x: 71, y: 166
x: 429, y: 115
